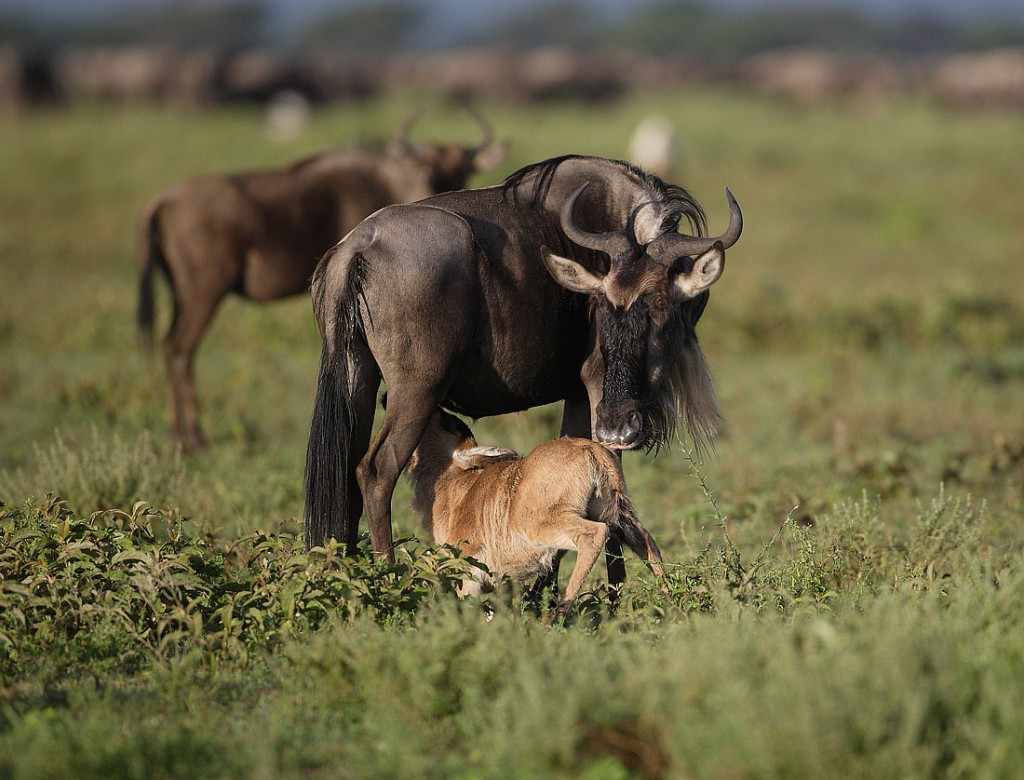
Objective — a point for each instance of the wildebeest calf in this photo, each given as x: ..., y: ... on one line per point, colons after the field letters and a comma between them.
x: 514, y: 514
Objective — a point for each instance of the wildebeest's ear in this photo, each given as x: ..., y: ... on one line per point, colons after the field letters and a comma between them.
x: 476, y: 457
x: 707, y: 268
x: 490, y: 156
x: 570, y: 274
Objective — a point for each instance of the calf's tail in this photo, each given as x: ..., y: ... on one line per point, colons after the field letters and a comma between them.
x: 620, y: 516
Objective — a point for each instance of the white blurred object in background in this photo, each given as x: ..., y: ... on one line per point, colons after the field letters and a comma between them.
x: 287, y: 115
x: 655, y: 147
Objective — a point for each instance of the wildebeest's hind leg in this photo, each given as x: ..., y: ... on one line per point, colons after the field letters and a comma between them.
x: 339, y: 434
x: 570, y: 531
x: 191, y: 318
x: 365, y: 382
x: 576, y: 422
x: 405, y: 420
x: 420, y: 293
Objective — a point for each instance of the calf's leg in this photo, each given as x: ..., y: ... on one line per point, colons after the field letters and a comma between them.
x: 576, y: 421
x: 569, y: 531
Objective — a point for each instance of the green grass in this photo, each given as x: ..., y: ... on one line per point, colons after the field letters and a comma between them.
x: 845, y: 571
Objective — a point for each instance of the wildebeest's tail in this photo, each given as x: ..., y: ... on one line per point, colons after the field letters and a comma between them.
x: 152, y: 257
x: 330, y: 463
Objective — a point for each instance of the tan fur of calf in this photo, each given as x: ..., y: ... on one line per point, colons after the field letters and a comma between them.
x: 513, y: 513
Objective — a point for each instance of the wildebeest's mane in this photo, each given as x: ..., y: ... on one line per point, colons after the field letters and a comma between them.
x: 309, y: 160
x: 684, y: 394
x: 680, y: 203
x: 545, y: 170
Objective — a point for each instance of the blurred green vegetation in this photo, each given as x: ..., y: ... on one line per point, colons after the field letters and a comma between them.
x: 845, y: 569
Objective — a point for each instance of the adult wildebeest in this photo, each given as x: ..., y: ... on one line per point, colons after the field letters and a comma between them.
x: 515, y: 514
x: 260, y: 234
x: 568, y: 281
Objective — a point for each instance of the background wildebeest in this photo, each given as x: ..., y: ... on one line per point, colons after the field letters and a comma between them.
x: 516, y: 514
x: 460, y: 301
x: 260, y: 234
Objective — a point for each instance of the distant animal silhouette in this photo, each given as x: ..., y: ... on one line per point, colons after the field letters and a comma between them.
x: 261, y: 234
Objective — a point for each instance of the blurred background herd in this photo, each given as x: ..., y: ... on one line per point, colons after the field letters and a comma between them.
x: 203, y: 53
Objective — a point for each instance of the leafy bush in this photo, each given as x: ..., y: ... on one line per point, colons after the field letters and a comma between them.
x: 135, y: 616
x: 122, y: 589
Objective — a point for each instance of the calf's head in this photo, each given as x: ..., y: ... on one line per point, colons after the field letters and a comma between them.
x: 448, y: 443
x: 646, y: 370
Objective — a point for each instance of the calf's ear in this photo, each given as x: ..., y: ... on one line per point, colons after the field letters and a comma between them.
x: 707, y: 269
x: 477, y: 457
x: 570, y: 274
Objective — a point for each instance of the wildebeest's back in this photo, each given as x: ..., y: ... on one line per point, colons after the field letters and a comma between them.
x: 204, y: 224
x: 305, y: 211
x: 533, y: 197
x: 380, y: 269
x: 561, y: 475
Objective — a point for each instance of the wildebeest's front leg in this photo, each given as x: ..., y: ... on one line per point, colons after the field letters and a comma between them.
x: 616, y: 566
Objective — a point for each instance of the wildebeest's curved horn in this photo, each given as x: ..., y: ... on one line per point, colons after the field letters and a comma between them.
x: 614, y: 242
x: 666, y: 248
x: 485, y: 127
x: 401, y: 136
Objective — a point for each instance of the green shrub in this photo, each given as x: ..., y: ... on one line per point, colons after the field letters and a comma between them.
x: 121, y: 590
x: 102, y: 472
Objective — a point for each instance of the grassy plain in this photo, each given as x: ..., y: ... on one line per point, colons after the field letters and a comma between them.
x: 846, y: 587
